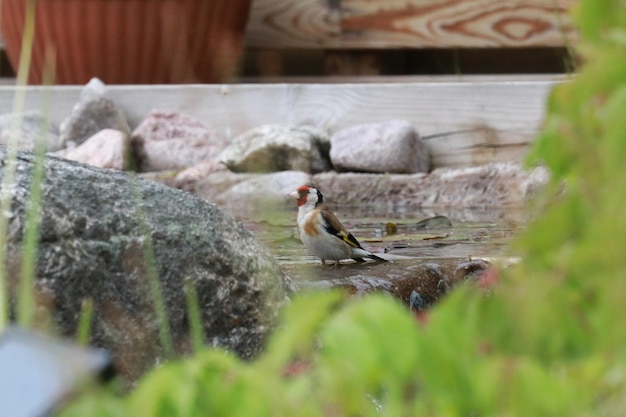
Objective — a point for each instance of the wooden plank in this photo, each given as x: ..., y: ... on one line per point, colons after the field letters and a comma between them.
x: 292, y: 23
x: 359, y: 24
x: 454, y: 23
x: 493, y: 120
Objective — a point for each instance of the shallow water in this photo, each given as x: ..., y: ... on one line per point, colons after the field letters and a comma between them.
x: 472, y: 234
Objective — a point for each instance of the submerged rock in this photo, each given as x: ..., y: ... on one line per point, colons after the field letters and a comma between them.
x: 423, y: 282
x: 433, y: 222
x: 103, y: 233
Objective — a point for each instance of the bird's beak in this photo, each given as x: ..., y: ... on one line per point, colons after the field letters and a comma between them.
x: 294, y: 194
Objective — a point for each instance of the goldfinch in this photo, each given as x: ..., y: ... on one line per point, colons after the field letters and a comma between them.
x: 322, y: 233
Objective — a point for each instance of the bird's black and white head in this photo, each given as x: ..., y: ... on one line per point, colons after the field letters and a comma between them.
x: 308, y: 197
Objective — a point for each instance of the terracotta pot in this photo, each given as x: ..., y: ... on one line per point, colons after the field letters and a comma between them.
x: 130, y: 41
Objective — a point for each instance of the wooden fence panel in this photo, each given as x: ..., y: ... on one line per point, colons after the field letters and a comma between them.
x: 362, y: 24
x: 476, y: 122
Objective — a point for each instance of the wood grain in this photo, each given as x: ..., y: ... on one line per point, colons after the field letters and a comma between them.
x: 491, y: 120
x: 361, y: 24
x: 292, y: 24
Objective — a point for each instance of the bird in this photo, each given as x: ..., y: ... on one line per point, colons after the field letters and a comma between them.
x: 322, y: 233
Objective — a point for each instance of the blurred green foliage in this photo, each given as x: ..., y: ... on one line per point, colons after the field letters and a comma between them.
x: 548, y: 340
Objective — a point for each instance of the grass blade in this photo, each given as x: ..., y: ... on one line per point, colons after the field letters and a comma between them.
x: 195, y: 318
x: 84, y: 323
x: 8, y: 180
x: 152, y: 273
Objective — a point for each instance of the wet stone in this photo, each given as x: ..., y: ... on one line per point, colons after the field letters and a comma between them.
x: 471, y: 270
x: 355, y: 285
x: 433, y: 223
x: 431, y: 280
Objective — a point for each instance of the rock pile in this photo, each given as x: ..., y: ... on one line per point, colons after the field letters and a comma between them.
x: 383, y: 162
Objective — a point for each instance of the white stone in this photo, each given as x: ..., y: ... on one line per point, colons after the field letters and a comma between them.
x: 106, y: 149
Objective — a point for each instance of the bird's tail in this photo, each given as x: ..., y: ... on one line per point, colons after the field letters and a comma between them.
x: 362, y: 253
x: 377, y: 258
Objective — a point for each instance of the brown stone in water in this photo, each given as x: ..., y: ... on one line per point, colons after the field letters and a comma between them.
x: 432, y: 279
x: 427, y: 279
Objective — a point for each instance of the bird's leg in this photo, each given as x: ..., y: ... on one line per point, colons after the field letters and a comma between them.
x: 323, y: 261
x: 336, y: 264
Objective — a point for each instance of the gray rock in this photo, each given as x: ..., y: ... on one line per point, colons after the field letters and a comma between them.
x: 93, y: 113
x: 32, y: 126
x: 96, y: 228
x: 495, y: 185
x: 106, y: 149
x: 170, y: 140
x: 392, y: 146
x: 272, y: 148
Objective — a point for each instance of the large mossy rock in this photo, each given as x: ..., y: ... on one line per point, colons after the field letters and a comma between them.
x: 94, y: 229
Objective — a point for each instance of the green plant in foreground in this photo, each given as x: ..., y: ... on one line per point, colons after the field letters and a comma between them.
x: 549, y: 341
x: 9, y: 171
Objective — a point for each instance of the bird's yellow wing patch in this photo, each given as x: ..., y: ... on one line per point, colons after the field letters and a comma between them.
x: 335, y: 228
x: 350, y: 239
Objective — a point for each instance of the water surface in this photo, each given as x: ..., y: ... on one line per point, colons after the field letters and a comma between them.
x: 472, y: 234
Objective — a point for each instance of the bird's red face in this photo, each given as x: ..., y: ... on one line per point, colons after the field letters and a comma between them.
x: 301, y: 194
